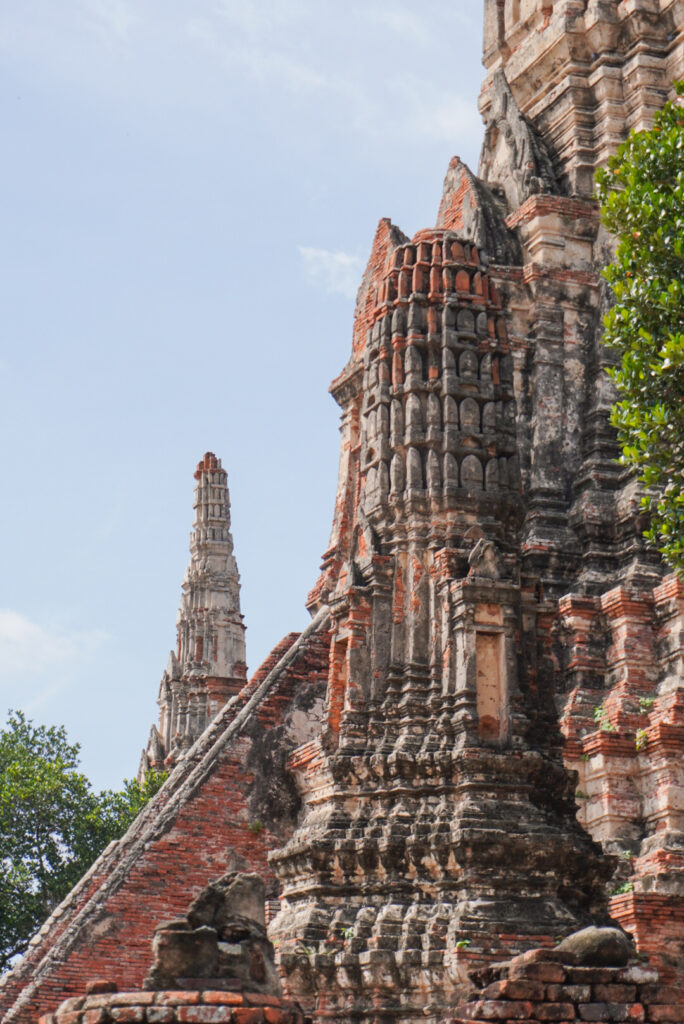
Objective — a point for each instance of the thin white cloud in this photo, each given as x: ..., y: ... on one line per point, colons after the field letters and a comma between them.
x: 258, y: 17
x: 270, y: 65
x: 402, y: 22
x: 111, y: 17
x: 290, y: 59
x: 28, y: 648
x: 438, y: 116
x: 243, y: 40
x: 452, y: 119
x: 338, y: 272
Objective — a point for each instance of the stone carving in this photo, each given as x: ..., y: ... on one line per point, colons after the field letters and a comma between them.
x: 514, y: 156
x: 220, y: 944
x: 471, y: 208
x: 484, y: 560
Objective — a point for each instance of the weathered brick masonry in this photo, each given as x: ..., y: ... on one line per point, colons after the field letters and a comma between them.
x: 542, y: 986
x: 477, y: 745
x: 226, y: 804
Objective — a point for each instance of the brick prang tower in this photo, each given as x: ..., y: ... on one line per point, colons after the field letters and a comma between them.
x: 487, y: 567
x: 439, y: 823
x: 476, y: 745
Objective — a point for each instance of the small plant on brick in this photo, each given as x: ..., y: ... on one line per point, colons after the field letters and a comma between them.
x: 255, y: 827
x: 645, y: 704
x: 621, y: 889
x: 579, y: 795
x: 347, y: 933
x: 602, y: 720
x: 640, y: 739
x: 462, y: 943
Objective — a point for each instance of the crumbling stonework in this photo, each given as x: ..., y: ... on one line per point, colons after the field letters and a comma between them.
x: 221, y: 943
x: 476, y: 747
x: 227, y: 803
x: 214, y: 966
x: 439, y: 824
x: 552, y: 985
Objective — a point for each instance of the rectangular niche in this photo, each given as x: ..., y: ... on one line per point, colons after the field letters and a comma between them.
x: 492, y: 696
x: 338, y: 678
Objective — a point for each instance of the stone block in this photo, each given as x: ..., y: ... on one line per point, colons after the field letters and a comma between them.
x: 614, y: 993
x: 179, y: 998
x: 569, y: 993
x: 203, y: 1014
x: 661, y: 994
x: 68, y: 1017
x: 99, y: 985
x: 554, y: 1011
x: 94, y: 1016
x: 637, y: 974
x: 127, y: 1014
x: 514, y: 989
x: 496, y: 1009
x: 590, y: 976
x: 161, y: 1014
x: 611, y: 1012
x: 247, y: 1015
x: 666, y: 1014
x: 548, y: 972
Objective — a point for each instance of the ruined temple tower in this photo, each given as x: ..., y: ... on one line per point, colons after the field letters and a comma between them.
x: 487, y: 566
x: 477, y: 743
x: 209, y: 664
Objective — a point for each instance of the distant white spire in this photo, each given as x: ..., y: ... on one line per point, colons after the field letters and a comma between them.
x: 209, y: 664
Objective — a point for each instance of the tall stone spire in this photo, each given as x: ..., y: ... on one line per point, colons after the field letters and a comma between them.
x: 208, y: 666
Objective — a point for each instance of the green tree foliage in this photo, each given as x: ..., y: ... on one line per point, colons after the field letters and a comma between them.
x: 52, y: 825
x: 641, y: 192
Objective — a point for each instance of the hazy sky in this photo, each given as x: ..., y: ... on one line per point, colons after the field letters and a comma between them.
x: 190, y: 189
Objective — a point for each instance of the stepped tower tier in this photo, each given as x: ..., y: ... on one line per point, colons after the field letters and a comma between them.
x: 439, y: 823
x: 209, y: 665
x: 582, y: 72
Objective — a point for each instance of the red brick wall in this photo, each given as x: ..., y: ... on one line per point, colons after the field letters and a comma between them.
x: 543, y: 985
x: 164, y: 861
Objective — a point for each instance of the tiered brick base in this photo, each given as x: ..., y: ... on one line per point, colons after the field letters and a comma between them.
x: 538, y: 986
x: 206, y: 1007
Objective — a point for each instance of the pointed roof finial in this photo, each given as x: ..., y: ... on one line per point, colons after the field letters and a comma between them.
x: 207, y: 464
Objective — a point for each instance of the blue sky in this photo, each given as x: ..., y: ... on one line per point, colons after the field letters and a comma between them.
x: 190, y: 189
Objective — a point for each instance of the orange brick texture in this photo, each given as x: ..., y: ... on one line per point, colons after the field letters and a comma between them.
x: 206, y: 1007
x: 201, y: 825
x: 538, y: 986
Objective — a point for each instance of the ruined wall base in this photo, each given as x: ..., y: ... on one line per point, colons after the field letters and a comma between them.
x: 539, y: 986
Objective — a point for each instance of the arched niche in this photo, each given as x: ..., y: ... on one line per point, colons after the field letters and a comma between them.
x: 471, y: 473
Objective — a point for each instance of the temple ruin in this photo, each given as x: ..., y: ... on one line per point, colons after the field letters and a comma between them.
x: 475, y: 747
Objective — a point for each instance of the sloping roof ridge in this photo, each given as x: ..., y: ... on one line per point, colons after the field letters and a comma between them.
x: 117, y: 859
